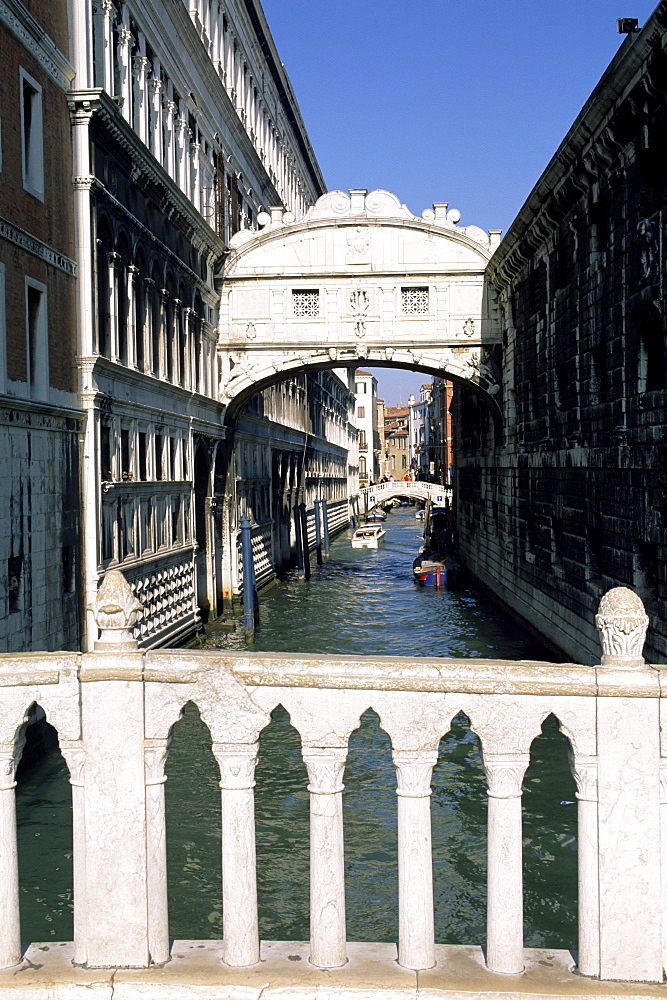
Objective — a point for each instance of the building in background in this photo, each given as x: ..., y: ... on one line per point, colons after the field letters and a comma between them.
x: 443, y: 448
x: 397, y: 441
x: 367, y: 425
x: 40, y: 417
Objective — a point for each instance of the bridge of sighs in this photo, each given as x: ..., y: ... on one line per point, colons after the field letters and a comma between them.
x: 358, y: 280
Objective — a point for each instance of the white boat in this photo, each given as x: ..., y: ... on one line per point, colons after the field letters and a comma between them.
x: 368, y: 536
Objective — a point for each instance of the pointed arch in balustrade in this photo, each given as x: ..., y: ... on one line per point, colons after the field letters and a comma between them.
x: 55, y: 690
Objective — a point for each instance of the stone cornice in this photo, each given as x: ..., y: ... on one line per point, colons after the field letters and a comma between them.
x: 30, y: 33
x: 21, y: 238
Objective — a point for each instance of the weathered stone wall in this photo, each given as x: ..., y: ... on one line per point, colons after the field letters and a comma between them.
x: 568, y: 498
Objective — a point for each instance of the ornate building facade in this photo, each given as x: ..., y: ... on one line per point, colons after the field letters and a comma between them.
x: 185, y: 127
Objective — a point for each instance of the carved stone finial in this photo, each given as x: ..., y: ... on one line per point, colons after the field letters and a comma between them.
x: 622, y: 623
x: 115, y: 609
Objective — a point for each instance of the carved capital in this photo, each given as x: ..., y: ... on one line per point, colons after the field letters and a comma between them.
x: 7, y: 767
x: 504, y: 774
x: 237, y: 763
x: 325, y: 766
x: 585, y: 774
x: 155, y: 758
x: 414, y: 769
x: 75, y: 758
x: 115, y: 610
x: 622, y: 623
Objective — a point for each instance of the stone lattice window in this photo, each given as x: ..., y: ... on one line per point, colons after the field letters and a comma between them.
x: 306, y: 302
x: 415, y: 301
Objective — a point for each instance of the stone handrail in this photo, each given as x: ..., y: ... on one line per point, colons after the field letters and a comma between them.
x: 114, y: 710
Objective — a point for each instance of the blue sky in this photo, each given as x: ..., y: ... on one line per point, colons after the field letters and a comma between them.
x: 463, y: 101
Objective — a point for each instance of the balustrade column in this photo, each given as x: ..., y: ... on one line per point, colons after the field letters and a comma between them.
x: 75, y: 758
x: 585, y: 773
x: 10, y: 923
x: 155, y: 756
x: 416, y: 933
x: 327, y: 869
x: 504, y: 921
x: 240, y: 929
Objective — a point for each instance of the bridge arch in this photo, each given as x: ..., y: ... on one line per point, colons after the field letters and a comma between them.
x: 359, y: 281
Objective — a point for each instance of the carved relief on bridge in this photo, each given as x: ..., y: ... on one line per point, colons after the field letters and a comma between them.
x: 359, y: 279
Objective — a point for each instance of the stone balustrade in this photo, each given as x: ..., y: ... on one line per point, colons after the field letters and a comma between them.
x: 114, y: 710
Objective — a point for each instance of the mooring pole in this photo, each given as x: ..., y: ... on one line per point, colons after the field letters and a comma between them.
x: 318, y: 533
x: 297, y: 539
x: 304, y: 540
x: 248, y: 579
x: 325, y: 525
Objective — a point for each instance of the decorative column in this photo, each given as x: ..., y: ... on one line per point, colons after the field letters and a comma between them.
x: 140, y: 64
x: 155, y: 86
x: 10, y: 924
x: 240, y: 929
x: 104, y: 14
x: 195, y: 188
x: 504, y: 921
x: 124, y: 41
x: 155, y: 756
x: 585, y: 773
x: 416, y: 934
x: 75, y: 758
x: 131, y: 331
x: 113, y: 260
x: 169, y: 157
x: 325, y: 767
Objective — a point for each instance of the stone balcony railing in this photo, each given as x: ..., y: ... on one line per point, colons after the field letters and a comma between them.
x: 114, y: 710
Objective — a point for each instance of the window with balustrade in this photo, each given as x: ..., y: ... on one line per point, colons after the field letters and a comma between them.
x: 306, y: 302
x: 414, y: 301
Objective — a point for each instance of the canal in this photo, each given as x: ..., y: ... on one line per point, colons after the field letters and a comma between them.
x: 361, y: 602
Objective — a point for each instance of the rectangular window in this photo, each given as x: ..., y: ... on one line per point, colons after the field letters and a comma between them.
x: 172, y: 458
x: 415, y: 301
x: 143, y: 451
x: 37, y: 339
x: 361, y: 412
x: 14, y: 566
x: 158, y: 456
x: 125, y: 455
x: 306, y: 302
x: 32, y: 139
x: 363, y: 444
x: 105, y: 453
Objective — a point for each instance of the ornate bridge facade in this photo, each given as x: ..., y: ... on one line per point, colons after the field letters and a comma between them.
x: 435, y: 492
x: 358, y: 280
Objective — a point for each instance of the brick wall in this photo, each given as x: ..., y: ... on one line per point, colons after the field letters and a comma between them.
x: 573, y: 499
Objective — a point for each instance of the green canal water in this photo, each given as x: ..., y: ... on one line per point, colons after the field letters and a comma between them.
x: 362, y: 602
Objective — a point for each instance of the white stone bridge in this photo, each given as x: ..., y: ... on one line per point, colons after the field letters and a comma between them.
x: 358, y: 279
x: 114, y: 710
x: 436, y: 493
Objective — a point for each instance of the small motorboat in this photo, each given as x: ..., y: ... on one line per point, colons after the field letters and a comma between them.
x: 420, y: 515
x: 376, y: 515
x: 368, y: 536
x: 435, y: 572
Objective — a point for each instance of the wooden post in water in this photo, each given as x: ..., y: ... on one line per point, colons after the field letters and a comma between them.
x: 248, y: 580
x: 298, y: 540
x: 304, y: 540
x: 318, y: 533
x: 325, y: 525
